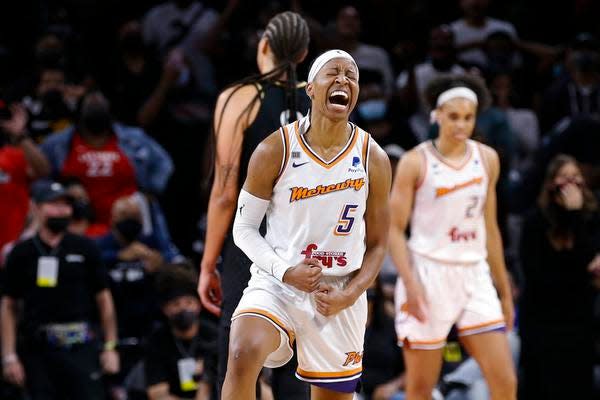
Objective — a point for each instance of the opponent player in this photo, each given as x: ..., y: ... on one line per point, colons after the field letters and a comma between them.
x: 446, y: 187
x: 324, y: 186
x: 245, y: 115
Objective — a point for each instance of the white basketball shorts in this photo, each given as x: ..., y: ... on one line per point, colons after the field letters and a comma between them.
x: 457, y: 294
x: 330, y: 349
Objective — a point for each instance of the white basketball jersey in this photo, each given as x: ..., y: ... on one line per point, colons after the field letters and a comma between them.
x: 447, y: 221
x: 317, y: 207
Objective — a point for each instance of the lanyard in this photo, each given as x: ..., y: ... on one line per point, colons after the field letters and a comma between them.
x: 190, y: 353
x: 42, y: 250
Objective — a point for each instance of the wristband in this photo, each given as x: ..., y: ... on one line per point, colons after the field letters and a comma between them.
x: 110, y: 345
x: 10, y: 358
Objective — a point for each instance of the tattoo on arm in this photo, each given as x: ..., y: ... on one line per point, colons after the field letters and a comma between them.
x: 228, y: 173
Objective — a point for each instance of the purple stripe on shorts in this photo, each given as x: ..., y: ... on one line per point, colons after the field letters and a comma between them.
x: 478, y: 332
x: 344, y: 387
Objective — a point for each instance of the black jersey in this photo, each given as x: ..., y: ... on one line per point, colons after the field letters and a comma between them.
x: 272, y: 115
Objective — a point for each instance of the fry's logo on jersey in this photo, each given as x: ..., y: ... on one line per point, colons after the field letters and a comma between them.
x: 353, y: 358
x: 458, y: 236
x: 301, y: 193
x: 442, y: 191
x: 326, y: 257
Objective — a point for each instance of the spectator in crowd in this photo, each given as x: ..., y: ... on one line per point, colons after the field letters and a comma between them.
x: 368, y: 57
x: 177, y: 22
x: 20, y: 162
x: 412, y: 82
x: 577, y: 93
x: 376, y: 116
x: 182, y: 101
x: 83, y: 218
x: 559, y: 241
x: 136, y: 73
x: 111, y: 160
x: 48, y: 109
x: 471, y: 31
x: 383, y: 367
x: 176, y: 353
x: 132, y: 259
x: 62, y: 283
x: 575, y: 137
x: 523, y: 121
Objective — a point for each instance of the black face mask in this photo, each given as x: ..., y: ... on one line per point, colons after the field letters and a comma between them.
x: 129, y: 228
x: 82, y: 210
x: 54, y: 106
x: 96, y: 119
x: 183, y: 320
x: 57, y: 224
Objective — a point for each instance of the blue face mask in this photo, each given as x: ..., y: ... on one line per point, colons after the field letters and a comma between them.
x: 372, y: 110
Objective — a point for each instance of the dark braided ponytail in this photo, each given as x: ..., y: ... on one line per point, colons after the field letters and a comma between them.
x: 288, y: 36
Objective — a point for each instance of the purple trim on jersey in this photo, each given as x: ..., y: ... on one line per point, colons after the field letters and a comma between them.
x: 498, y: 329
x: 344, y: 387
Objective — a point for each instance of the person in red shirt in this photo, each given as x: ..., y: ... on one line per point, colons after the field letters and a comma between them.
x: 20, y: 162
x: 96, y: 159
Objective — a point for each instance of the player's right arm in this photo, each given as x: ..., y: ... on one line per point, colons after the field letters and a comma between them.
x: 263, y: 170
x: 408, y: 174
x: 231, y: 119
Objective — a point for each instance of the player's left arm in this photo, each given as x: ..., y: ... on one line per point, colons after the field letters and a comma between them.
x: 377, y: 219
x: 494, y: 240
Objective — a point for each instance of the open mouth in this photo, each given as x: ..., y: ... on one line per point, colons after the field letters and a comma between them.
x: 339, y: 98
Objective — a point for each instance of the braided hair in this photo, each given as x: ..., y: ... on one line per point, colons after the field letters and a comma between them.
x: 288, y: 36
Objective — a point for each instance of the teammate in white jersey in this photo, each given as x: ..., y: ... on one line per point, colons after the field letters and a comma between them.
x: 446, y: 189
x: 324, y: 186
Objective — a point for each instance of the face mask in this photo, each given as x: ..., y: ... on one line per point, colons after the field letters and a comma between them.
x: 372, y: 110
x: 183, y: 320
x: 96, y: 119
x: 54, y: 105
x: 57, y: 224
x: 129, y: 228
x: 82, y: 210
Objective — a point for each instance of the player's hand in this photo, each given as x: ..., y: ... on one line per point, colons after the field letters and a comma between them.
x: 572, y: 196
x: 416, y: 302
x: 15, y: 126
x: 304, y: 276
x: 209, y: 289
x: 331, y: 300
x: 109, y: 360
x: 508, y: 310
x: 14, y: 372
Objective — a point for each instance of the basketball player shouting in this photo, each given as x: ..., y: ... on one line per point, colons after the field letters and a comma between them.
x: 324, y: 185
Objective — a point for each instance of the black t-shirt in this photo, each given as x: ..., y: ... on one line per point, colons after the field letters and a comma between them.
x: 163, y: 354
x: 71, y: 298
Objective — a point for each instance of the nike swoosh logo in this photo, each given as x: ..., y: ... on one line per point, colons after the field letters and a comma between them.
x: 299, y: 165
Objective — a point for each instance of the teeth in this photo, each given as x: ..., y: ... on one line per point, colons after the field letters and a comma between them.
x: 339, y: 93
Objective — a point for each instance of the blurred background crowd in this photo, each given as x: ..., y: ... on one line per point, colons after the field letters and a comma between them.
x: 114, y: 101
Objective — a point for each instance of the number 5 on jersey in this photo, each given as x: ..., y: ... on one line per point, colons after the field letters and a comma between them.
x: 346, y: 221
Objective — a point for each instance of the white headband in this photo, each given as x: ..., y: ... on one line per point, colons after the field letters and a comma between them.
x: 463, y: 92
x: 325, y: 58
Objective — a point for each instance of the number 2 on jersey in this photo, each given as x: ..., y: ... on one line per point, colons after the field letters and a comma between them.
x: 346, y: 221
x: 472, y: 206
